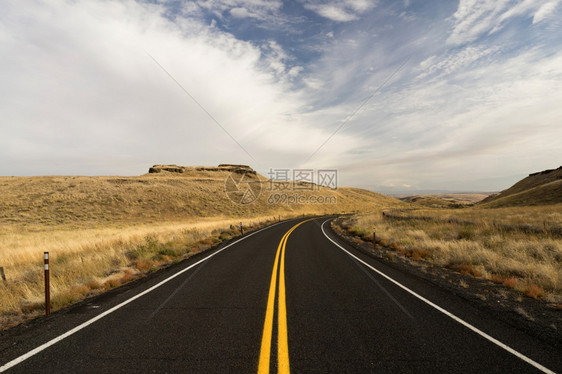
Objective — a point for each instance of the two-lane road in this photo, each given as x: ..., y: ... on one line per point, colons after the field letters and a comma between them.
x: 287, y: 298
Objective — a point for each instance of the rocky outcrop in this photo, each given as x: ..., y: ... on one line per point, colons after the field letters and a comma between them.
x: 240, y: 169
x: 169, y: 168
x: 545, y: 172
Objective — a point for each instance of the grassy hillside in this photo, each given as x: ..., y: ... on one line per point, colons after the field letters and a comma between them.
x: 543, y: 188
x: 546, y: 194
x: 104, y: 231
x: 166, y: 196
x: 451, y: 200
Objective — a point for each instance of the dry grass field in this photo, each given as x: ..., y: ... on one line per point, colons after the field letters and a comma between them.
x: 102, y: 232
x: 450, y: 200
x: 520, y: 247
x: 105, y: 231
x: 85, y: 262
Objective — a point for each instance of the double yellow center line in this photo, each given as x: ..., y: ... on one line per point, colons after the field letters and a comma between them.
x: 282, y: 340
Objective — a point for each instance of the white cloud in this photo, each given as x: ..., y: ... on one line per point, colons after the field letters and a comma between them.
x: 240, y: 13
x: 295, y: 71
x: 334, y: 13
x: 453, y: 61
x: 276, y: 59
x: 258, y: 9
x: 545, y: 10
x: 340, y: 10
x: 77, y: 85
x: 314, y: 83
x: 496, y: 119
x: 474, y: 18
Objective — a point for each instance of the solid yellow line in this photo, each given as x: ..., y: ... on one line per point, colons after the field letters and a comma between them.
x: 265, y: 351
x: 282, y: 335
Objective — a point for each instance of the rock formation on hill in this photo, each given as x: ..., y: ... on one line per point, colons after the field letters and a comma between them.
x: 241, y: 169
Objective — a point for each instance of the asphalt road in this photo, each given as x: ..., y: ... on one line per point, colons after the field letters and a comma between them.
x: 273, y: 301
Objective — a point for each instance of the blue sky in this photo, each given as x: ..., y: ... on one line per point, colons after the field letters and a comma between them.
x: 412, y: 95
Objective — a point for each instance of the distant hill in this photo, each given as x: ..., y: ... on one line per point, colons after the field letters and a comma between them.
x: 542, y: 188
x: 171, y: 193
x: 444, y: 200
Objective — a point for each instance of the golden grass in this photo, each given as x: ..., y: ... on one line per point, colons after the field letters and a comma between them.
x: 451, y: 200
x: 88, y: 261
x: 549, y: 193
x: 543, y: 188
x: 33, y: 203
x: 519, y: 247
x: 102, y: 232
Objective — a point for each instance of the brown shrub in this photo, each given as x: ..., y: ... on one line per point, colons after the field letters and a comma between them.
x: 466, y: 269
x: 143, y: 265
x: 496, y: 278
x: 127, y: 277
x: 94, y: 285
x: 366, y: 238
x: 207, y: 241
x: 32, y: 307
x: 357, y: 240
x: 534, y: 291
x: 510, y: 282
x: 397, y: 247
x: 418, y: 254
x: 112, y: 283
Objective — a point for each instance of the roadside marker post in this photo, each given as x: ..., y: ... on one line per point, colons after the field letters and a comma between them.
x: 2, y: 274
x: 374, y: 238
x: 47, y: 285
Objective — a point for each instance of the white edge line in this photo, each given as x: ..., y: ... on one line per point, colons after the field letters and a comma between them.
x: 444, y: 311
x: 46, y: 345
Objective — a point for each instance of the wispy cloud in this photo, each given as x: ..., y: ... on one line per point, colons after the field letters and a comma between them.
x: 258, y: 9
x: 340, y: 10
x: 545, y: 11
x: 452, y: 61
x: 465, y: 127
x: 475, y: 18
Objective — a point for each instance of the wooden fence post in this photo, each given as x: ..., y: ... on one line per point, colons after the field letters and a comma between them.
x: 47, y: 285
